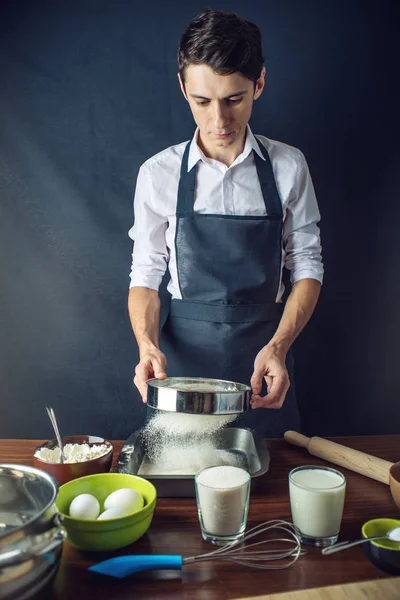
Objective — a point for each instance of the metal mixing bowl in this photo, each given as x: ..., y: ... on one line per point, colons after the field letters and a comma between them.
x: 198, y: 395
x: 30, y: 533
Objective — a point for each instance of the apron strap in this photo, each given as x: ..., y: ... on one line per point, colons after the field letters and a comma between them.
x: 273, y: 204
x: 187, y: 181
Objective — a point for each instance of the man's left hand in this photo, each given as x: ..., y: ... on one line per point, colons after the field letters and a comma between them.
x: 269, y: 365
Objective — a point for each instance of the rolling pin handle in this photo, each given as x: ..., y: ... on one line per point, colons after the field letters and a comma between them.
x: 360, y: 462
x: 297, y: 439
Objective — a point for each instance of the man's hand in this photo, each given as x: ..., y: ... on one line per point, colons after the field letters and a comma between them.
x: 270, y: 361
x: 269, y: 365
x: 144, y: 312
x: 152, y: 364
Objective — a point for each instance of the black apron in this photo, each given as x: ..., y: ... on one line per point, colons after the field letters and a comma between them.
x: 229, y: 271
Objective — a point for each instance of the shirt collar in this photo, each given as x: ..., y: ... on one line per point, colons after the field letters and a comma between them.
x: 196, y: 154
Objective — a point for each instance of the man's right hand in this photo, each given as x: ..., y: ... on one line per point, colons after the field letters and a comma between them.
x: 152, y: 364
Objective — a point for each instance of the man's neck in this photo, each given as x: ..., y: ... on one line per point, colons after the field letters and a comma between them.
x: 226, y: 155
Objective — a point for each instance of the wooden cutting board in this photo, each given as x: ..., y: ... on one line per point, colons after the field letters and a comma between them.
x: 386, y: 589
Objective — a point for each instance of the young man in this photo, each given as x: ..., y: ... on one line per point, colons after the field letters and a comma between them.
x: 225, y: 212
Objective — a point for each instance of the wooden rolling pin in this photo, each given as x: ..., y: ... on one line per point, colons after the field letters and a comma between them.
x: 360, y: 462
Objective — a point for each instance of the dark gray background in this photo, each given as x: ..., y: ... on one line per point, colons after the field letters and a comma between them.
x: 88, y: 92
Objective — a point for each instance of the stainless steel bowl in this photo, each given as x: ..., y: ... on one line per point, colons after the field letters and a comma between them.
x: 31, y: 536
x: 198, y: 395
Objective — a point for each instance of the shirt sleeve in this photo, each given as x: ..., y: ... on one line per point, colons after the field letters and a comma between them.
x: 301, y: 235
x: 150, y: 253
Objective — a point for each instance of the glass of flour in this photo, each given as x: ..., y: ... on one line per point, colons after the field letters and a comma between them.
x: 222, y: 495
x: 316, y: 501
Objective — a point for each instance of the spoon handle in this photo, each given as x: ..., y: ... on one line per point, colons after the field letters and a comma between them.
x: 344, y: 545
x: 53, y: 420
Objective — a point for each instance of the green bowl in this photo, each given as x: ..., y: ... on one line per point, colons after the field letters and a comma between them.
x: 384, y: 554
x: 109, y: 534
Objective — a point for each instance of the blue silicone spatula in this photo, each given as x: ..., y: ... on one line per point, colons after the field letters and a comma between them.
x: 122, y: 566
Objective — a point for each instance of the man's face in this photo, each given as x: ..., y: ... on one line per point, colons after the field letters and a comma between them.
x: 221, y: 106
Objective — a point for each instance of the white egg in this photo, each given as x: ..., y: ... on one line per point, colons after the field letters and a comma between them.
x: 112, y: 513
x: 127, y: 499
x: 84, y: 506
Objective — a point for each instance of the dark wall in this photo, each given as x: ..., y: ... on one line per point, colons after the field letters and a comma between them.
x: 88, y: 92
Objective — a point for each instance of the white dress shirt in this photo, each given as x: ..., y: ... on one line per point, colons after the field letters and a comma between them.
x: 233, y: 190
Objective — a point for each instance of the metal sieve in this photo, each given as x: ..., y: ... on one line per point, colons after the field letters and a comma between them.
x: 198, y: 395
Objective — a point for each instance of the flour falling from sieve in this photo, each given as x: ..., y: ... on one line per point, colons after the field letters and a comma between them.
x: 180, y: 443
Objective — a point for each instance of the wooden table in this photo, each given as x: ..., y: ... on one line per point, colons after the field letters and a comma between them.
x: 175, y: 530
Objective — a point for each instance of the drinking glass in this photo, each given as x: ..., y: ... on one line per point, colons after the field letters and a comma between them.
x: 316, y: 500
x: 222, y: 495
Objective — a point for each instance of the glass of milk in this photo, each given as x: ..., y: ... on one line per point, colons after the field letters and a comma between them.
x: 316, y: 501
x: 222, y: 495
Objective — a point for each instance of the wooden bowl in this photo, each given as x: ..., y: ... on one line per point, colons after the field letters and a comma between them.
x: 394, y: 482
x: 64, y: 472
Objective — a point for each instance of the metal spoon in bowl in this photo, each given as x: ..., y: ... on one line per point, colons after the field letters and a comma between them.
x: 53, y: 420
x: 393, y: 535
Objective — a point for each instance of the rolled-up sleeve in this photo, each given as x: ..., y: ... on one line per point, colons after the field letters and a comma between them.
x: 301, y: 235
x: 150, y: 254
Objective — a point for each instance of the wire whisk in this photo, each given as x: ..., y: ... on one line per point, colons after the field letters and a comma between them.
x: 239, y: 552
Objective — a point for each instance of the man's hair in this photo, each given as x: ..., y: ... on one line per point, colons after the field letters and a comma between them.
x: 224, y: 42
